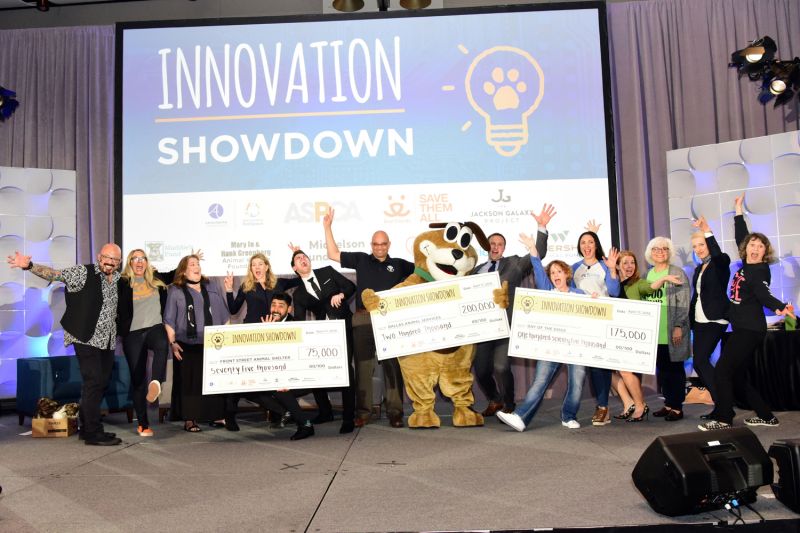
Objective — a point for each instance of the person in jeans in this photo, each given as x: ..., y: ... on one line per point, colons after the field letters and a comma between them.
x: 558, y: 277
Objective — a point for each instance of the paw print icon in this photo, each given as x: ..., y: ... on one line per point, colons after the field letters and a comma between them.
x: 505, y: 85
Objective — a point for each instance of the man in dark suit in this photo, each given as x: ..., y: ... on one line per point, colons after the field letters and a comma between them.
x: 491, y: 357
x: 325, y: 292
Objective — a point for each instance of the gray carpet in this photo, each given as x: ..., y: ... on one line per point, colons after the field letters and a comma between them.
x: 376, y: 479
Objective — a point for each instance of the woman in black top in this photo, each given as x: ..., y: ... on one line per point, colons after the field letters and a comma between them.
x: 257, y: 288
x: 749, y: 294
x: 709, y: 305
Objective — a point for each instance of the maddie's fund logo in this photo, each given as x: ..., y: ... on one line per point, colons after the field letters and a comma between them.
x: 504, y: 85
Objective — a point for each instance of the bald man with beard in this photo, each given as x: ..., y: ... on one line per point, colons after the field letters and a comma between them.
x: 90, y: 325
x: 376, y: 271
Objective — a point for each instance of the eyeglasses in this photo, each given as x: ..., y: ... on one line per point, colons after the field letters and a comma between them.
x: 138, y: 259
x: 109, y: 258
x: 659, y: 250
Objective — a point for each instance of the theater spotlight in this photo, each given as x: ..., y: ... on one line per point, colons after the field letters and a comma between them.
x: 779, y: 79
x: 753, y: 59
x: 348, y: 6
x: 415, y: 4
x: 8, y: 103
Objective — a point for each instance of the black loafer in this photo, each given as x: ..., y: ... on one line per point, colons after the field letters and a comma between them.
x: 303, y: 432
x: 104, y: 435
x: 347, y: 427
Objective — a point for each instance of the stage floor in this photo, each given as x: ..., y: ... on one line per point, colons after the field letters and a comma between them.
x: 375, y: 479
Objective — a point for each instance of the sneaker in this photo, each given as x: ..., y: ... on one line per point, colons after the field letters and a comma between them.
x: 571, y: 424
x: 601, y: 416
x: 756, y: 421
x: 153, y: 391
x: 511, y: 419
x: 713, y: 425
x: 144, y: 432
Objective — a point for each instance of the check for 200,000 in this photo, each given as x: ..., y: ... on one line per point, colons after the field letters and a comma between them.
x: 437, y: 315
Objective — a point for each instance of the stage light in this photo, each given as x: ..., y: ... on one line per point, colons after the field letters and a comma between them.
x: 779, y: 79
x: 415, y: 4
x: 8, y: 103
x: 348, y: 6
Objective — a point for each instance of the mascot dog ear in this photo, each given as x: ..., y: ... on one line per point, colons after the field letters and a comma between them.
x: 476, y: 230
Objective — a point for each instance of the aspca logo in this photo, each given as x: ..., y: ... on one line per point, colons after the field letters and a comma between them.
x: 312, y: 212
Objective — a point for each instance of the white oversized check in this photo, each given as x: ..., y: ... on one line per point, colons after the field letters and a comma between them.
x: 439, y: 314
x: 612, y: 333
x: 271, y: 356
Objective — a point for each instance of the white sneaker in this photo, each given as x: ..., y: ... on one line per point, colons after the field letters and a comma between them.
x: 511, y: 419
x: 153, y: 391
x: 571, y: 424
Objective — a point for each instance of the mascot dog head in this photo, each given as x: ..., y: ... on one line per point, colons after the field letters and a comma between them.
x: 445, y: 251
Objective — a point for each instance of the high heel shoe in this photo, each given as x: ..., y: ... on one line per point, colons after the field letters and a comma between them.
x: 645, y: 415
x: 626, y: 414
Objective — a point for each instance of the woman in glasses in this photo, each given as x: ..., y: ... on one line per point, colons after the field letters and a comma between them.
x: 142, y: 295
x: 673, y: 328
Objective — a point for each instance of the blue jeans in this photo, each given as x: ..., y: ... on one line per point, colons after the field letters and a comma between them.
x: 601, y: 381
x: 545, y: 372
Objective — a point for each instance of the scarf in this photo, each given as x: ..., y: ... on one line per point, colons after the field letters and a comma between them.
x: 191, y: 322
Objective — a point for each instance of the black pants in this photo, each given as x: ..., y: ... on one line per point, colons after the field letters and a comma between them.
x: 364, y: 348
x: 194, y: 405
x: 705, y: 337
x: 730, y: 376
x: 95, y: 366
x: 491, y: 361
x: 349, y: 392
x: 135, y: 345
x: 274, y: 401
x: 672, y: 377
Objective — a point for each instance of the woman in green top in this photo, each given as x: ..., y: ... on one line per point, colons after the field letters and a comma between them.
x: 673, y: 331
x: 628, y: 384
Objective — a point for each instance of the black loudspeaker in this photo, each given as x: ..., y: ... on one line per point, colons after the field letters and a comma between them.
x: 695, y: 472
x: 787, y: 458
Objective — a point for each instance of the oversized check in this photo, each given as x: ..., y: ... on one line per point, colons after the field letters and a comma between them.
x: 271, y: 356
x: 439, y: 314
x: 612, y: 333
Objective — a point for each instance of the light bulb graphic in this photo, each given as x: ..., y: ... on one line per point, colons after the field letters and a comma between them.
x: 505, y: 85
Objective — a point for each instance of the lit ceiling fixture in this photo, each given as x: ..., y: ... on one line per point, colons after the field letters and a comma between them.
x: 348, y: 6
x: 779, y: 79
x: 8, y: 103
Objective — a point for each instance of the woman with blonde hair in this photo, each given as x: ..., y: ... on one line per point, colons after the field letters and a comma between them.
x: 673, y: 331
x: 142, y: 296
x: 257, y: 289
x: 628, y: 384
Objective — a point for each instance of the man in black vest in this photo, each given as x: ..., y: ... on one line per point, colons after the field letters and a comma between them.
x: 90, y: 326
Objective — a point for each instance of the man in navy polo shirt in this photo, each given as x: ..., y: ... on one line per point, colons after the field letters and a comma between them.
x: 376, y: 271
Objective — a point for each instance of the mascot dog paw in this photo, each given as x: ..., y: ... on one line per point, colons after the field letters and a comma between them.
x: 443, y: 253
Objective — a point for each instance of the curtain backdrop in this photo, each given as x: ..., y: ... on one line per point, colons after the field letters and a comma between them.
x: 672, y: 88
x: 64, y: 79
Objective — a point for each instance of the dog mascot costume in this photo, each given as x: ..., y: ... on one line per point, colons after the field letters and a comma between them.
x: 443, y: 253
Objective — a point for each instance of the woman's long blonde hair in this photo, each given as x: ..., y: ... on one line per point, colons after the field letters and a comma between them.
x: 249, y: 283
x: 149, y: 278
